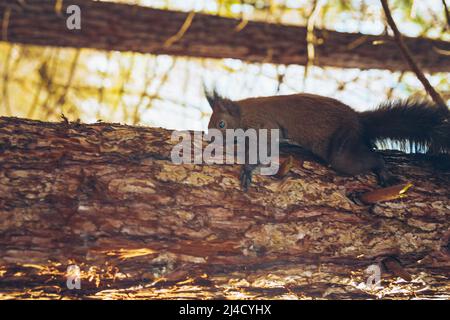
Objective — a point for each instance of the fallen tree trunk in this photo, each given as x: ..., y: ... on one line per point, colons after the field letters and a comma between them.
x: 121, y: 27
x: 108, y: 199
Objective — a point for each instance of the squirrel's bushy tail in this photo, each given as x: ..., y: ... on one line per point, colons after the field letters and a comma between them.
x: 419, y: 124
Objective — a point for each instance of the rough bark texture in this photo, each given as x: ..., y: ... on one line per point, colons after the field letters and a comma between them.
x: 108, y: 198
x: 110, y: 26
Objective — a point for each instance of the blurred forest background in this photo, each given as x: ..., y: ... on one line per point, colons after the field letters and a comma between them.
x: 165, y: 90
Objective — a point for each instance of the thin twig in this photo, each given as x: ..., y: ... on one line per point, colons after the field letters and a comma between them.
x: 148, y: 79
x: 447, y: 13
x: 101, y: 92
x: 37, y: 93
x: 122, y: 87
x: 161, y: 84
x: 241, y: 25
x: 280, y: 79
x: 391, y: 89
x: 408, y: 57
x: 184, y: 28
x: 311, y: 38
x: 5, y: 24
x: 58, y: 7
x: 63, y: 97
x: 244, y: 20
x: 50, y: 77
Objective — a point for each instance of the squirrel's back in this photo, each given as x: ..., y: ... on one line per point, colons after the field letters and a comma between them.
x: 324, y: 125
x: 307, y: 119
x: 315, y: 121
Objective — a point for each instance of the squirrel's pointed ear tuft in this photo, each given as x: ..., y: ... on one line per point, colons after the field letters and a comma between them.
x: 220, y: 104
x: 212, y: 97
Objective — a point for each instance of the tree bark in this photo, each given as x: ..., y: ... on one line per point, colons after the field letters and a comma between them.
x: 108, y: 198
x: 112, y: 26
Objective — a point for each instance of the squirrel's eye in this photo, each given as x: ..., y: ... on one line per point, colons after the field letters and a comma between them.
x: 222, y: 124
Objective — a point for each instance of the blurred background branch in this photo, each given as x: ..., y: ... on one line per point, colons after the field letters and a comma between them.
x: 117, y: 68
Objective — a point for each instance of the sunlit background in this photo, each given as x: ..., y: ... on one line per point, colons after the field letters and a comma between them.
x: 167, y: 91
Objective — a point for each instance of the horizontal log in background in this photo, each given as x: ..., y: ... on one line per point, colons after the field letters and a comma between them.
x: 108, y: 198
x: 121, y: 27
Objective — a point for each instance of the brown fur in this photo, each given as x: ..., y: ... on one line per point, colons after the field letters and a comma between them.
x: 332, y: 130
x: 311, y: 122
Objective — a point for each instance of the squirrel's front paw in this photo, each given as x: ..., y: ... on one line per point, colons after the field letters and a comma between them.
x: 246, y: 177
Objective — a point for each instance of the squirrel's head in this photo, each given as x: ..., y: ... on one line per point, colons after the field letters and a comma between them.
x: 226, y: 113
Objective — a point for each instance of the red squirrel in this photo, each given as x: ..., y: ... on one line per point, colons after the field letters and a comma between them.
x: 333, y: 131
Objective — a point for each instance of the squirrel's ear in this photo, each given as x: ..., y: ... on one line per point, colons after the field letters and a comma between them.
x: 212, y: 98
x: 219, y: 104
